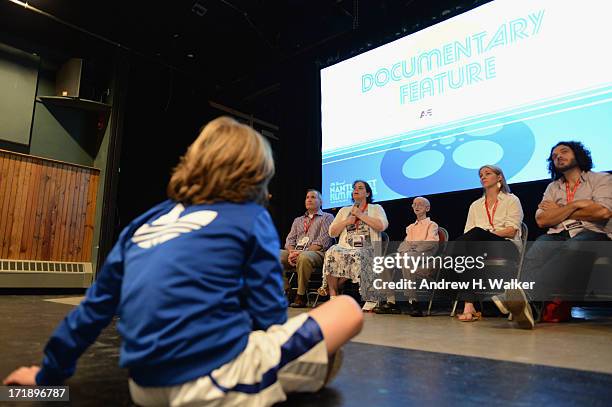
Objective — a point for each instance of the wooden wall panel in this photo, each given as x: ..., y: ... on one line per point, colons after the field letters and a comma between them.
x: 5, y: 189
x: 90, y: 204
x: 47, y: 209
x: 77, y: 242
x: 27, y: 238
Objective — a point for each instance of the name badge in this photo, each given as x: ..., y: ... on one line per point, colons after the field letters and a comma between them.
x: 302, y: 243
x: 571, y: 224
x: 358, y: 240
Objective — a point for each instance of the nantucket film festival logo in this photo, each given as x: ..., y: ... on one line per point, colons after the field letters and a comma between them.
x: 340, y: 192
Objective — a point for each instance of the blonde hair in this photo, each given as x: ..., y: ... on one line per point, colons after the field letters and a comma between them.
x: 229, y: 161
x: 498, y: 171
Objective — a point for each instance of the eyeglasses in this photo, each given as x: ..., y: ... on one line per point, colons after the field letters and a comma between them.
x: 417, y: 205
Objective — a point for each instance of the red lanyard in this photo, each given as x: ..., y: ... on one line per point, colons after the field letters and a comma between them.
x: 359, y: 220
x: 491, y: 215
x: 570, y: 194
x: 307, y: 224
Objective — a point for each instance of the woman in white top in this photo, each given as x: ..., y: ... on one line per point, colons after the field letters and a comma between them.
x: 359, y: 227
x: 496, y: 216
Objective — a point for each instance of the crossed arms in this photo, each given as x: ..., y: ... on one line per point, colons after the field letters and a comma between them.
x: 550, y: 214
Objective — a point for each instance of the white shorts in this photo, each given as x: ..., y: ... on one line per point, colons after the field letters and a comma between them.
x: 285, y: 358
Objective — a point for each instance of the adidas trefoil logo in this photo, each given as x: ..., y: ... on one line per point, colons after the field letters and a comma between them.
x: 171, y: 225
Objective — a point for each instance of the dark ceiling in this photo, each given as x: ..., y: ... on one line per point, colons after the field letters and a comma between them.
x: 224, y: 43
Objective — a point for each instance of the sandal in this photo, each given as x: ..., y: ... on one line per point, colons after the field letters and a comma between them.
x: 474, y: 316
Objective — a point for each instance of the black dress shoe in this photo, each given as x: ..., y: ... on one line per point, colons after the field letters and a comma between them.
x: 290, y: 295
x: 414, y: 310
x: 300, y: 302
x: 387, y: 308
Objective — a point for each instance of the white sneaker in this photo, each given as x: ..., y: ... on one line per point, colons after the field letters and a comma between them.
x: 369, y: 306
x: 517, y: 303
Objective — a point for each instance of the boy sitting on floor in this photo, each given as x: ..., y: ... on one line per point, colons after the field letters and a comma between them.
x: 197, y: 285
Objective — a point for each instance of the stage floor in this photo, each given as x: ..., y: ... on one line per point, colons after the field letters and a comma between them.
x: 397, y: 360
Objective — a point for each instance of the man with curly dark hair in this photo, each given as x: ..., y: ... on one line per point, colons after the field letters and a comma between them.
x: 576, y: 207
x: 582, y: 158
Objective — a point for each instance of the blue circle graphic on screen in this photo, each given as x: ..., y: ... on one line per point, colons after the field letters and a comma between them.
x: 423, y: 164
x: 509, y: 146
x: 470, y: 154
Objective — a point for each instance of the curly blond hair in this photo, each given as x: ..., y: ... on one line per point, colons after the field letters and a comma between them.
x: 229, y: 161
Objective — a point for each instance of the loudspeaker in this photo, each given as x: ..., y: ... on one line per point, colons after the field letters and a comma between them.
x: 77, y: 79
x: 68, y: 78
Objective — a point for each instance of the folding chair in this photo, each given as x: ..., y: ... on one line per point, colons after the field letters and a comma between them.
x: 443, y: 242
x: 315, y: 282
x: 504, y: 262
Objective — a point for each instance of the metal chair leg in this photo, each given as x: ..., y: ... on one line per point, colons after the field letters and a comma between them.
x: 316, y: 301
x: 433, y: 292
x: 538, y: 307
x: 454, y: 308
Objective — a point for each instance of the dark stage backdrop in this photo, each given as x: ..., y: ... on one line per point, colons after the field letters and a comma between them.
x: 163, y: 114
x: 165, y: 111
x: 299, y: 161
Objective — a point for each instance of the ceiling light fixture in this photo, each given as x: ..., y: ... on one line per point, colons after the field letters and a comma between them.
x: 21, y: 3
